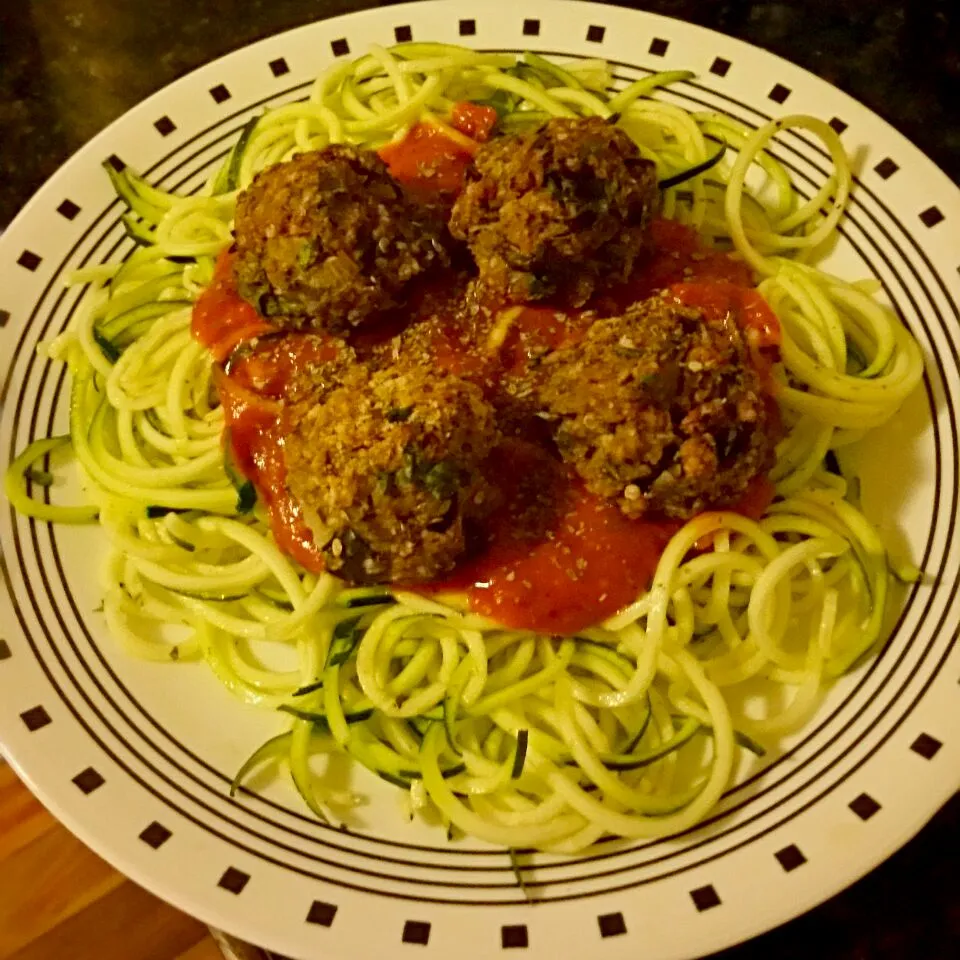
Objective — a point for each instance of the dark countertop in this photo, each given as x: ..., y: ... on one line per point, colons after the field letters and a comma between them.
x: 69, y: 67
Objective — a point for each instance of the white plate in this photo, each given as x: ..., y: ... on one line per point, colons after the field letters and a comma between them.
x: 136, y: 757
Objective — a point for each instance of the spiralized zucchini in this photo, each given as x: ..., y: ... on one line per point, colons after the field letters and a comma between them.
x: 517, y: 739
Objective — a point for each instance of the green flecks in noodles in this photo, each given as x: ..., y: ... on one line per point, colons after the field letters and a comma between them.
x: 522, y: 740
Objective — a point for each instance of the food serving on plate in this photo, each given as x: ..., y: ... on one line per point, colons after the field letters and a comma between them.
x: 489, y: 421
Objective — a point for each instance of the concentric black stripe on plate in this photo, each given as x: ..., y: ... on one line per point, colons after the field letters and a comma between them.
x: 860, y: 251
x: 61, y: 379
x: 868, y: 261
x: 78, y: 653
x: 105, y: 664
x: 44, y: 374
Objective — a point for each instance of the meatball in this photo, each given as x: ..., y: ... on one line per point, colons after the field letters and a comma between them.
x: 661, y: 410
x: 388, y: 469
x: 556, y: 212
x: 329, y: 239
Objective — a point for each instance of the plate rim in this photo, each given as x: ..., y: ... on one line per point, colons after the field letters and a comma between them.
x: 130, y: 868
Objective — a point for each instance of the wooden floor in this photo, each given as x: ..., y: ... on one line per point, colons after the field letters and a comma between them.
x: 59, y: 900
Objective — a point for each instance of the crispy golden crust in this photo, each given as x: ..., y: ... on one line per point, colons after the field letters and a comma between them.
x: 556, y: 212
x: 388, y: 469
x: 329, y: 239
x: 660, y: 410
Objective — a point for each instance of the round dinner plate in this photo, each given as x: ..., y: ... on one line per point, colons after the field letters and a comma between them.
x: 137, y: 757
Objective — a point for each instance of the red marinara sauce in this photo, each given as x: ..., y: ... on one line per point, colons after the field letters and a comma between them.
x: 251, y: 388
x: 590, y: 561
x: 677, y: 256
x: 429, y: 161
x: 221, y: 320
x: 593, y: 562
x: 582, y: 565
x: 555, y: 558
x: 581, y: 560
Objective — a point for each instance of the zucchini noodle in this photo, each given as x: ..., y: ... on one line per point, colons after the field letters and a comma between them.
x: 522, y: 740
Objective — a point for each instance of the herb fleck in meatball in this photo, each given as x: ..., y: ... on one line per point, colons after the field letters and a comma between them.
x: 661, y: 410
x: 556, y: 212
x: 387, y: 467
x: 329, y: 239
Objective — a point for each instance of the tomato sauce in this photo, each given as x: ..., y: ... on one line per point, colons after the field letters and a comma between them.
x: 593, y: 564
x: 473, y: 120
x: 554, y: 557
x: 429, y: 161
x: 254, y: 442
x: 251, y: 388
x: 221, y: 320
x: 573, y: 567
x: 677, y: 255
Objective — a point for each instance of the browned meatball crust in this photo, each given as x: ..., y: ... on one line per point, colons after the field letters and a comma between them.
x: 329, y: 239
x: 387, y: 467
x: 556, y: 212
x: 661, y: 410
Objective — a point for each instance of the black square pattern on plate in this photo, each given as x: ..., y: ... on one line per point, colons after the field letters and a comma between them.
x: 779, y: 93
x: 321, y: 913
x: 886, y: 168
x: 531, y: 28
x: 68, y: 209
x: 838, y: 125
x: 705, y: 898
x: 165, y: 126
x: 659, y: 47
x: 931, y: 217
x: 403, y: 34
x: 340, y: 47
x: 864, y: 806
x: 595, y: 33
x: 416, y: 931
x: 233, y: 880
x: 279, y: 67
x: 155, y: 835
x: 35, y: 718
x: 116, y: 163
x: 720, y: 67
x: 790, y: 857
x: 4, y: 646
x: 468, y: 28
x: 926, y: 746
x: 29, y: 260
x: 513, y: 936
x: 220, y: 93
x: 612, y: 925
x: 88, y: 780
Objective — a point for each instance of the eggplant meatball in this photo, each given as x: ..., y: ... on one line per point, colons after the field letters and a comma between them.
x: 661, y: 410
x: 556, y: 212
x: 387, y: 468
x: 329, y: 239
